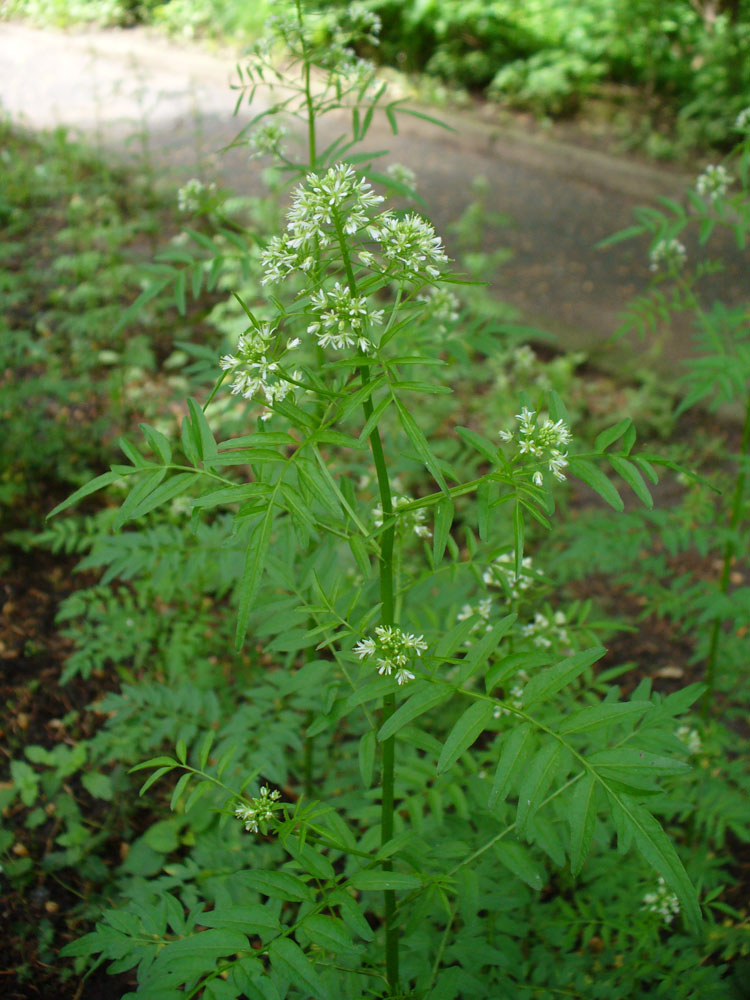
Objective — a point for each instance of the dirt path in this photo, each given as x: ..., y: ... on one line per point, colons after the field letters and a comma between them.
x: 116, y: 87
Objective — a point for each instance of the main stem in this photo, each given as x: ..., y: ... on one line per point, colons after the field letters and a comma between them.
x: 729, y: 550
x: 311, y: 147
x: 387, y: 617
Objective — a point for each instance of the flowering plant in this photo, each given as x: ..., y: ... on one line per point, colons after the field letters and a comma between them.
x: 327, y: 371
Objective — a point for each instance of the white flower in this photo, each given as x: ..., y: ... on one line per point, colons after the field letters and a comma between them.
x: 266, y: 139
x: 409, y: 520
x: 662, y: 901
x: 691, y: 739
x: 544, y: 632
x: 541, y: 440
x: 404, y: 175
x: 714, y: 182
x: 442, y: 307
x: 742, y: 121
x: 254, y: 374
x: 260, y: 810
x: 343, y: 318
x: 394, y: 651
x: 409, y: 245
x: 191, y: 196
x: 502, y: 573
x: 668, y: 254
x: 538, y: 479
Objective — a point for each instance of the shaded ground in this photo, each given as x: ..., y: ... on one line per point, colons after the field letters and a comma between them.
x: 129, y: 92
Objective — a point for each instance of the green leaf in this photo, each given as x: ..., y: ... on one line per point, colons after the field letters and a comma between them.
x: 249, y: 919
x: 421, y: 701
x: 173, y: 487
x: 582, y: 819
x: 482, y: 649
x: 368, y: 880
x: 516, y: 749
x: 137, y: 496
x: 481, y: 444
x: 518, y: 537
x: 441, y: 528
x: 328, y: 933
x: 518, y: 860
x: 629, y: 472
x: 367, y: 757
x: 539, y: 776
x: 254, y: 563
x: 589, y: 719
x: 550, y: 681
x: 588, y: 473
x: 158, y: 443
x: 106, y: 479
x: 202, y: 436
x: 419, y: 442
x: 99, y: 785
x: 659, y: 852
x: 289, y: 959
x: 465, y: 732
x: 611, y: 434
x: 276, y: 885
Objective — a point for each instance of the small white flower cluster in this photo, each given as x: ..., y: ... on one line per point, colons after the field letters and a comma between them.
x: 253, y: 374
x: 714, y: 182
x: 266, y: 140
x: 514, y: 697
x: 318, y: 205
x: 742, y: 121
x: 409, y: 520
x: 502, y: 573
x: 669, y: 255
x: 409, y: 245
x: 404, y: 175
x: 663, y: 902
x: 441, y: 307
x: 191, y: 196
x: 691, y: 739
x: 482, y: 611
x: 343, y: 318
x: 394, y: 651
x: 543, y: 631
x: 260, y: 810
x: 541, y: 440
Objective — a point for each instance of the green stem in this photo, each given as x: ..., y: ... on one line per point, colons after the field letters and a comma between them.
x: 729, y: 551
x: 311, y: 145
x: 387, y: 617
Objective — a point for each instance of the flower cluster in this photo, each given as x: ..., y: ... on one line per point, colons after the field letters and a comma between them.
x: 394, y: 651
x: 343, y: 318
x: 192, y: 196
x: 691, y: 739
x: 338, y: 199
x: 409, y: 245
x: 541, y: 440
x: 406, y: 520
x: 253, y: 374
x: 259, y: 811
x: 502, y: 573
x: 403, y: 175
x: 481, y: 612
x: 663, y: 902
x: 441, y: 306
x: 667, y: 254
x: 714, y: 182
x: 543, y: 631
x: 514, y: 699
x: 742, y: 121
x: 266, y: 140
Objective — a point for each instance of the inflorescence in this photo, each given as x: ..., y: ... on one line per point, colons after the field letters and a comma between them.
x: 543, y: 440
x: 394, y: 651
x: 260, y: 810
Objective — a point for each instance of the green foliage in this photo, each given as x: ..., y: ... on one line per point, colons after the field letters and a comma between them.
x: 385, y: 757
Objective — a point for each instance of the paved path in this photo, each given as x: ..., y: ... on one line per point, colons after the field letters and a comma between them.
x: 560, y: 199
